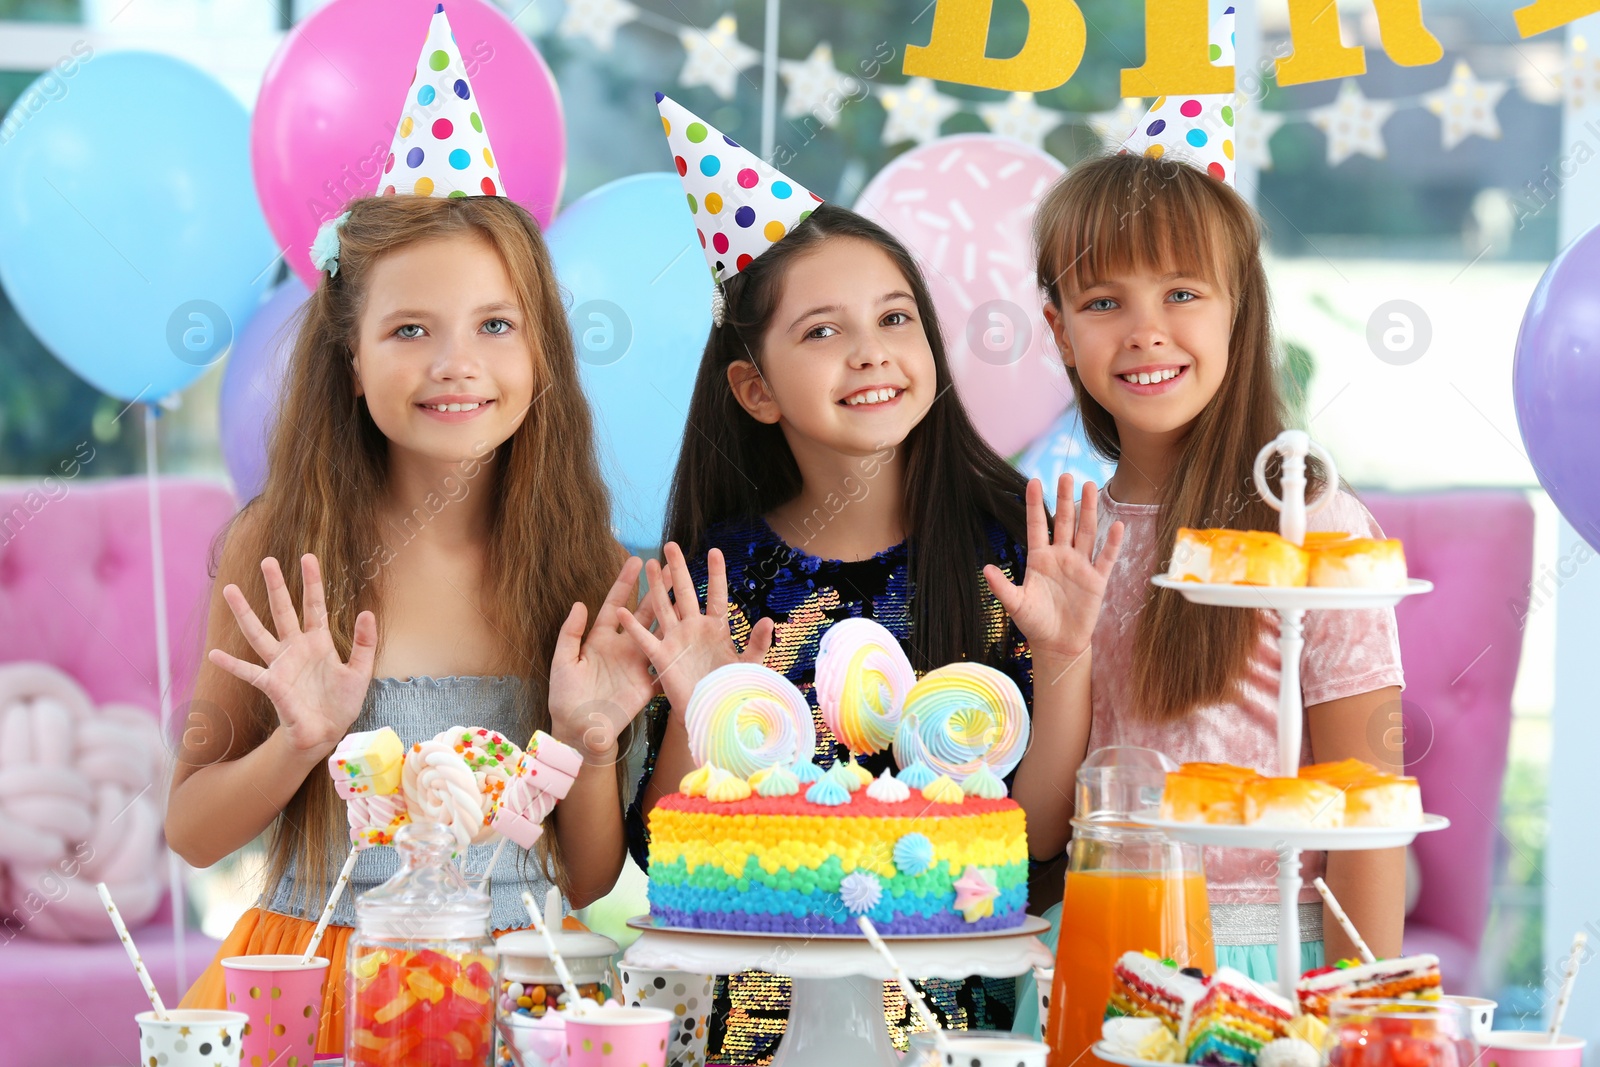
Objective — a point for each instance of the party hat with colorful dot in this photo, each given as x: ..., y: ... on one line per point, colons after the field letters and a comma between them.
x: 440, y: 147
x: 1195, y: 129
x: 741, y: 205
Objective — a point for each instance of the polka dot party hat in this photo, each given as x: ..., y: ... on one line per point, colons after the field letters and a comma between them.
x: 440, y: 147
x: 1196, y: 129
x: 741, y: 205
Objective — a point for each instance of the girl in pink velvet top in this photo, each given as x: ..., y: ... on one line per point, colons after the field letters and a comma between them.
x: 1158, y: 301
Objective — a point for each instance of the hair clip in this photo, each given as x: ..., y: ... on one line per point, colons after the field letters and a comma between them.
x: 719, y: 305
x: 325, y: 248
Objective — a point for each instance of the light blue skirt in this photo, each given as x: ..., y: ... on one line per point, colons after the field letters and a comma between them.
x: 1259, y: 962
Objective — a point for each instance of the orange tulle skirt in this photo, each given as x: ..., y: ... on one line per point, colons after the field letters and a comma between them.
x: 265, y: 933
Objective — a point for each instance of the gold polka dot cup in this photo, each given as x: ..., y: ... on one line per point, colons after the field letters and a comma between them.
x: 618, y: 1037
x: 190, y: 1037
x: 687, y: 996
x: 283, y: 999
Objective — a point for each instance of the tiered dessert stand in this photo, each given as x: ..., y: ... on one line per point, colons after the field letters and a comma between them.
x: 836, y: 1011
x: 1291, y: 603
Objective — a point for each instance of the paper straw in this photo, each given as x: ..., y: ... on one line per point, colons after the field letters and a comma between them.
x: 1579, y: 940
x: 327, y: 912
x: 1344, y: 920
x: 929, y: 1019
x: 574, y: 1000
x: 133, y: 952
x: 483, y: 886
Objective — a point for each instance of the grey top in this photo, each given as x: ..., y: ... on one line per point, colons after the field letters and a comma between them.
x: 417, y: 709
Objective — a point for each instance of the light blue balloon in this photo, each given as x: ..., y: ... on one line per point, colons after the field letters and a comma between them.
x: 640, y: 312
x: 1063, y: 449
x: 131, y: 242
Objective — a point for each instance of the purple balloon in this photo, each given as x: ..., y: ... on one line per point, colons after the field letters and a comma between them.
x: 1556, y: 383
x: 250, y: 384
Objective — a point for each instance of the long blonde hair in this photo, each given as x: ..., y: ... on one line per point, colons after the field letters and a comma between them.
x: 1127, y: 213
x: 549, y: 540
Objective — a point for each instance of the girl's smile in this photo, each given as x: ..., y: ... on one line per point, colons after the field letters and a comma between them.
x: 1151, y: 379
x: 455, y: 407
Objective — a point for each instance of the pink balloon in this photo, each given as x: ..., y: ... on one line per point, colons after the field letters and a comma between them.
x: 964, y: 206
x: 334, y: 92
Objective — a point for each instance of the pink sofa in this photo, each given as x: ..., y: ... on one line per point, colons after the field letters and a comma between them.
x: 1460, y: 645
x: 75, y: 591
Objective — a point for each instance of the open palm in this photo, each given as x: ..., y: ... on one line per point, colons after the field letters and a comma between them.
x: 600, y: 682
x: 689, y: 644
x: 317, y: 694
x: 1059, y: 599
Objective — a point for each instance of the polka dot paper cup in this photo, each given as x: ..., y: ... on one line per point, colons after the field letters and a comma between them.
x: 283, y: 999
x: 618, y: 1037
x: 189, y: 1037
x: 687, y: 996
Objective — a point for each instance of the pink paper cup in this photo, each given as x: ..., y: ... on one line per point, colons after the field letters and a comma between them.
x: 191, y: 1037
x: 1530, y: 1048
x: 283, y: 998
x: 618, y: 1037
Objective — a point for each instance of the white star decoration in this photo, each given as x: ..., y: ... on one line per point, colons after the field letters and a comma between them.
x: 597, y: 20
x: 715, y: 56
x: 1466, y: 106
x: 1353, y: 124
x: 1114, y: 125
x: 1253, y: 132
x: 1020, y: 119
x: 916, y: 110
x: 814, y: 85
x: 1580, y: 77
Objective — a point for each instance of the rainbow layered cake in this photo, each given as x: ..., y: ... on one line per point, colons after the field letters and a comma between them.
x: 760, y: 838
x: 1235, y: 1019
x: 1404, y: 978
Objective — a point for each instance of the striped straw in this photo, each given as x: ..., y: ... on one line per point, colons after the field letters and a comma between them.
x: 929, y: 1019
x: 133, y: 952
x: 1579, y: 940
x: 327, y: 912
x: 574, y: 1000
x: 1344, y: 920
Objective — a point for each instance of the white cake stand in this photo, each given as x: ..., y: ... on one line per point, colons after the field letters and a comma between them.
x: 836, y: 1010
x: 1291, y: 604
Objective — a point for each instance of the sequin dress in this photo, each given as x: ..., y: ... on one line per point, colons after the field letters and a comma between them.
x: 804, y: 595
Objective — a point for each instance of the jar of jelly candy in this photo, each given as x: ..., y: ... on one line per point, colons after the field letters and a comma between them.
x: 420, y: 979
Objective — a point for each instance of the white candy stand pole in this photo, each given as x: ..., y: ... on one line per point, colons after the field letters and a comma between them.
x: 1292, y: 446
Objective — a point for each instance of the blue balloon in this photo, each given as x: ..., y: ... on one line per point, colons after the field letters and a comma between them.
x: 1063, y: 449
x: 641, y: 310
x: 247, y: 406
x: 131, y: 242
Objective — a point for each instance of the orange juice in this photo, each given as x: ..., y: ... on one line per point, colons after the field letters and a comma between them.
x: 1103, y: 915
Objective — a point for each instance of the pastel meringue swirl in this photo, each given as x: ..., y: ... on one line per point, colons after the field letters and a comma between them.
x: 961, y: 717
x: 743, y: 717
x: 862, y: 679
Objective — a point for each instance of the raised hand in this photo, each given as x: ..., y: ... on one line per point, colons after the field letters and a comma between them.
x: 317, y: 694
x: 1058, y: 601
x: 689, y: 644
x: 600, y: 682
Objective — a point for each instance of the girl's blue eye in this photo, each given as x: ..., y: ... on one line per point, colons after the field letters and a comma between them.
x: 409, y: 331
x: 500, y: 326
x: 1184, y: 296
x: 1101, y: 303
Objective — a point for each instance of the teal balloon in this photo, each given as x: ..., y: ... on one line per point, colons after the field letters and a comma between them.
x: 131, y: 242
x: 641, y: 309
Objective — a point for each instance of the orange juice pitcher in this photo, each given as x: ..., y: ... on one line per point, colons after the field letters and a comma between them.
x: 1128, y: 888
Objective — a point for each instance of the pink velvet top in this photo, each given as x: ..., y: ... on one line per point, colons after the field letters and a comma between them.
x: 1346, y: 652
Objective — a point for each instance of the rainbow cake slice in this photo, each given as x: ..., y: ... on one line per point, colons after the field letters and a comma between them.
x: 1234, y: 1019
x: 797, y: 864
x: 1403, y: 978
x: 1144, y: 987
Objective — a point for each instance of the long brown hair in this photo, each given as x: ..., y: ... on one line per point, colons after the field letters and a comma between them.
x: 731, y: 466
x: 549, y: 541
x: 1126, y: 213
